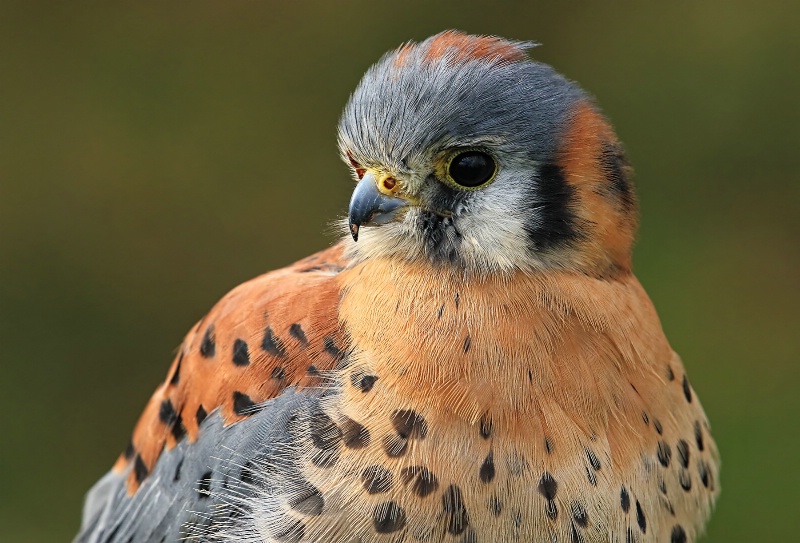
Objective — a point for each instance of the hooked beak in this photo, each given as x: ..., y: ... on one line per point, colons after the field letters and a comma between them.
x: 369, y: 206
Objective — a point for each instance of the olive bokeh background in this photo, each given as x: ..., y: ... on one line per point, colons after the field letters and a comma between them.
x: 154, y: 155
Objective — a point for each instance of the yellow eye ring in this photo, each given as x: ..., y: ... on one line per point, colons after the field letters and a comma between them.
x: 470, y: 169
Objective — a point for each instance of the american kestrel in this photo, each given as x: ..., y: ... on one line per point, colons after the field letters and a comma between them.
x: 474, y: 361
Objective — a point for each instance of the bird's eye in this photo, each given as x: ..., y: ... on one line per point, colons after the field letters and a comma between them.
x: 471, y: 169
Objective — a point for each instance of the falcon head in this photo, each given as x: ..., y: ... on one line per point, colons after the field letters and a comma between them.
x: 469, y: 155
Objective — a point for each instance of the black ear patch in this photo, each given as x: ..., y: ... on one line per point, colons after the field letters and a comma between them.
x: 552, y: 221
x: 616, y: 170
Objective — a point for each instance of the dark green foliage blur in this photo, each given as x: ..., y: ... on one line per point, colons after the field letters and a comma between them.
x: 154, y: 155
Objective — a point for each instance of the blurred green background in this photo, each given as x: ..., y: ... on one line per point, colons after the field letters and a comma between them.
x: 153, y: 156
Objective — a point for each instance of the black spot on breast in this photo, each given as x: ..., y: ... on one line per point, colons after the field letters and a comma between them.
x: 409, y: 424
x: 487, y: 471
x: 140, y: 471
x: 685, y: 480
x: 579, y: 514
x: 241, y: 354
x: 552, y: 221
x: 469, y: 536
x: 361, y: 381
x: 296, y: 331
x: 698, y: 436
x: 307, y: 500
x: 624, y: 500
x: 678, y: 534
x: 376, y: 479
x: 272, y: 344
x: 548, y: 486
x: 208, y: 346
x: 574, y: 536
x: 663, y: 453
x: 457, y: 299
x: 630, y: 537
x: 243, y: 405
x: 591, y: 476
x: 551, y: 510
x: 354, y: 435
x: 325, y: 435
x: 394, y: 446
x: 704, y: 473
x: 176, y: 376
x: 593, y: 460
x: 278, y: 372
x: 658, y: 427
x: 548, y: 445
x: 421, y: 481
x: 467, y: 344
x: 670, y: 373
x: 687, y: 389
x: 440, y: 312
x: 456, y: 511
x: 683, y: 452
x: 332, y: 349
x: 204, y: 485
x: 614, y: 166
x: 177, y: 475
x: 388, y: 517
x: 201, y: 415
x: 645, y: 418
x: 495, y: 506
x: 640, y: 518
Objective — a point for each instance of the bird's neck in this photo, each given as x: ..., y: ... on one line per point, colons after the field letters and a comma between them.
x: 499, y: 344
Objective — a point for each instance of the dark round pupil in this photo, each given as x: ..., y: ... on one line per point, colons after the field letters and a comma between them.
x: 472, y: 169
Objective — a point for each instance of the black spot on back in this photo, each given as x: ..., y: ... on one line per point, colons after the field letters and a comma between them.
x: 278, y: 372
x: 467, y: 344
x: 552, y: 222
x: 200, y: 415
x: 486, y: 426
x: 297, y: 332
x: 272, y: 344
x: 495, y: 506
x: 548, y: 445
x: 166, y: 413
x: 208, y: 346
x: 177, y: 476
x: 178, y: 429
x: 243, y: 405
x: 241, y: 354
x: 176, y: 376
x: 388, y: 517
x: 658, y: 427
x: 129, y: 450
x: 579, y: 514
x: 332, y: 349
x: 140, y: 471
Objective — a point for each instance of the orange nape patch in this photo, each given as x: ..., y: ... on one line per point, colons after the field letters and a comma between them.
x: 276, y: 331
x: 593, y: 163
x: 465, y: 47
